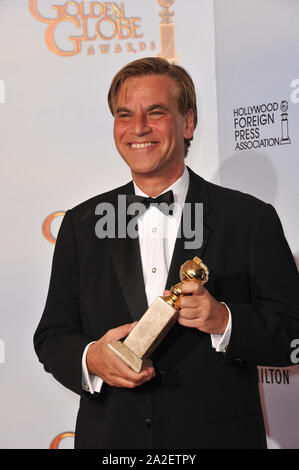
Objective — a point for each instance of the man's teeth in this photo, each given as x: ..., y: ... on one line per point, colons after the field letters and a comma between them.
x: 141, y: 146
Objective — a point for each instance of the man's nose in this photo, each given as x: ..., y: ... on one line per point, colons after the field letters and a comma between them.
x: 140, y: 125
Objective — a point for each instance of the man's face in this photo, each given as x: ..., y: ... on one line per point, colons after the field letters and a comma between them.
x: 149, y: 131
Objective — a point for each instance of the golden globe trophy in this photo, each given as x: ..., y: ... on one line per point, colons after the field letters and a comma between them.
x: 167, y: 38
x: 153, y: 326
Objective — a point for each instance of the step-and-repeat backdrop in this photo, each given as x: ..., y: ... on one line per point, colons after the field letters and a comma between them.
x: 57, y: 59
x: 257, y: 43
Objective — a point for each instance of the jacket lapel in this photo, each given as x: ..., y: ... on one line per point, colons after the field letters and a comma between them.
x: 126, y: 258
x: 197, y: 192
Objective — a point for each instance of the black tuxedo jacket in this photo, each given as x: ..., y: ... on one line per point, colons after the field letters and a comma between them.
x: 199, y: 398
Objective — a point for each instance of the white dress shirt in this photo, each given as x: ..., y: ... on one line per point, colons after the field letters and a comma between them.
x: 157, y: 236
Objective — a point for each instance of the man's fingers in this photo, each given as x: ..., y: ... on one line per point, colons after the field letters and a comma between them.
x: 192, y: 288
x: 190, y: 301
x: 190, y: 323
x: 107, y: 365
x: 121, y: 369
x: 124, y: 371
x: 189, y: 313
x: 123, y: 374
x: 104, y: 363
x: 141, y: 377
x: 123, y: 382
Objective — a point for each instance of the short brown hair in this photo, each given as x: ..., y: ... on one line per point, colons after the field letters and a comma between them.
x: 186, y: 99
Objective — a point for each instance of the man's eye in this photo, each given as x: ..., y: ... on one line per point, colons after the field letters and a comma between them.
x: 156, y: 113
x: 124, y: 115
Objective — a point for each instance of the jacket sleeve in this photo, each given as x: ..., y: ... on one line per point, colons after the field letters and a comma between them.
x: 262, y: 330
x: 58, y: 341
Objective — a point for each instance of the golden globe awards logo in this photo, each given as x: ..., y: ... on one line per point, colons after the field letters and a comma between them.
x: 57, y: 439
x: 46, y: 226
x: 262, y: 125
x: 94, y: 26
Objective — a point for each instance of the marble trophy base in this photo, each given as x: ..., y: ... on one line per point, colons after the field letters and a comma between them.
x: 146, y: 335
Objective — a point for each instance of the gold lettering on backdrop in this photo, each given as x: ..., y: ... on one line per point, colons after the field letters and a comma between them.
x: 34, y: 12
x: 124, y: 31
x: 46, y: 227
x: 99, y: 30
x: 85, y: 33
x: 51, y: 42
x: 90, y: 50
x: 133, y: 28
x: 104, y: 48
x: 130, y: 47
x: 93, y: 21
x: 167, y: 32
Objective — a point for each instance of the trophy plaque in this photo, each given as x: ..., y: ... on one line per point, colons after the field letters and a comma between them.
x: 158, y: 319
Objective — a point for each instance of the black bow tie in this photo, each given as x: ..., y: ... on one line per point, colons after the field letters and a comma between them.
x: 167, y: 198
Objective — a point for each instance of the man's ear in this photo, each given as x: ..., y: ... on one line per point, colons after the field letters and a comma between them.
x: 189, y: 124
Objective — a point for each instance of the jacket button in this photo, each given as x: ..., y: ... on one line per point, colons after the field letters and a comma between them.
x: 148, y: 423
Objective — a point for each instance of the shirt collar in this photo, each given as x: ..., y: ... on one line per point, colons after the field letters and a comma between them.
x: 179, y: 188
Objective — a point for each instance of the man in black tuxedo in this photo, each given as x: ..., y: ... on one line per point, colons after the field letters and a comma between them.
x: 202, y: 391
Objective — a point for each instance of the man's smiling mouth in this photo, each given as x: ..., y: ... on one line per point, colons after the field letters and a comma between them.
x: 141, y: 145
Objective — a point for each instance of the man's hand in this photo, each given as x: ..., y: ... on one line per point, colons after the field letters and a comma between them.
x: 105, y: 364
x: 200, y: 310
